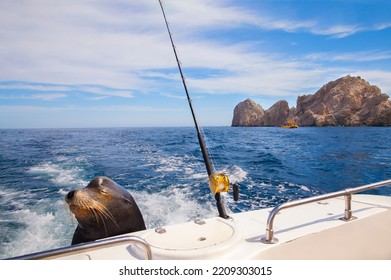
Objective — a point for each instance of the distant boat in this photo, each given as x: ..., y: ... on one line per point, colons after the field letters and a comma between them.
x: 290, y: 124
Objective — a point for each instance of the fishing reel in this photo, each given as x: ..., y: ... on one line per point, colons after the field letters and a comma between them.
x: 219, y: 182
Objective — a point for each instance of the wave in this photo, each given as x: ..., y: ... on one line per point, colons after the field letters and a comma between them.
x: 13, y: 199
x: 59, y: 174
x: 169, y: 164
x: 186, y: 164
x: 171, y: 206
x: 30, y: 231
x: 235, y: 174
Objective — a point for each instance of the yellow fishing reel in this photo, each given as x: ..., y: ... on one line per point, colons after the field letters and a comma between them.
x: 219, y: 182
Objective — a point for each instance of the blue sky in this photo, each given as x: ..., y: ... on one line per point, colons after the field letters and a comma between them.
x: 69, y: 63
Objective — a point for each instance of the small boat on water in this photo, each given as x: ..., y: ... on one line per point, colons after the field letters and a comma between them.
x: 338, y: 225
x: 290, y: 124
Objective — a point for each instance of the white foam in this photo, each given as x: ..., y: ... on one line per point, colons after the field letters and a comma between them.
x: 45, y: 168
x: 169, y: 164
x: 237, y: 174
x: 15, y: 198
x: 281, y: 188
x: 170, y: 206
x: 174, y: 164
x: 41, y: 232
x: 203, y: 175
x: 61, y: 158
x: 62, y: 192
x: 58, y: 174
x: 8, y: 194
x: 304, y: 188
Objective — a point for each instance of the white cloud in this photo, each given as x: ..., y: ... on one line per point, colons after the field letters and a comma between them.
x: 214, y: 15
x: 74, y: 42
x: 169, y: 95
x: 382, y: 26
x: 31, y: 108
x: 55, y: 91
x: 122, y: 47
x: 75, y: 108
x: 358, y: 56
x: 33, y: 86
x: 337, y: 31
x: 343, y: 31
x: 44, y: 97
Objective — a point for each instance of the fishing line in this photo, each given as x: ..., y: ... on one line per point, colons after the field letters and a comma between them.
x: 211, y: 154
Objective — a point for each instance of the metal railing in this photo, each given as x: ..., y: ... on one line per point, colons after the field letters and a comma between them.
x: 80, y: 248
x: 269, y: 235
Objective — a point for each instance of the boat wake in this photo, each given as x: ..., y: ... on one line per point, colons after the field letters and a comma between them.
x: 30, y: 230
x: 59, y: 174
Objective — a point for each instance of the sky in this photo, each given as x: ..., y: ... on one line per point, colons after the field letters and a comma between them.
x: 71, y: 64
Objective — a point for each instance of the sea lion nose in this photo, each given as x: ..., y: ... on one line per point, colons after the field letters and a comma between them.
x: 70, y: 195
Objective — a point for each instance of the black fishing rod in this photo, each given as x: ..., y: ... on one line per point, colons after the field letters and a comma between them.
x: 217, y: 182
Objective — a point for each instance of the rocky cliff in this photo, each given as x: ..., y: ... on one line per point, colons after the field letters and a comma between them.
x: 248, y: 113
x: 348, y: 101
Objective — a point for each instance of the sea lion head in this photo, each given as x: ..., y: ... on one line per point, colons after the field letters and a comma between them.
x: 103, y: 208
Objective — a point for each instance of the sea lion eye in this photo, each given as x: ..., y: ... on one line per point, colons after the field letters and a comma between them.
x: 104, y: 192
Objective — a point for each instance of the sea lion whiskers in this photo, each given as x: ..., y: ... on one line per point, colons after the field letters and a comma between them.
x: 103, y: 211
x: 71, y: 215
x: 98, y: 214
x: 97, y: 208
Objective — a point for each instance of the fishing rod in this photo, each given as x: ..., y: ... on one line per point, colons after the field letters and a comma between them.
x: 217, y: 182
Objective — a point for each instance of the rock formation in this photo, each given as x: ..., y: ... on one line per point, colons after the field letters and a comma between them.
x: 276, y: 115
x: 248, y: 113
x: 348, y: 101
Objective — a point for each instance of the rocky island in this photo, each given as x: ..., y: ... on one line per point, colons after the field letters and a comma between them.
x: 348, y: 101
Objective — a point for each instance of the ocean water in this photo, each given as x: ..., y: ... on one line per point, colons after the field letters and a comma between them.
x: 163, y: 169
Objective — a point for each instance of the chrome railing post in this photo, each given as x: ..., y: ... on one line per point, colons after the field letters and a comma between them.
x: 269, y: 235
x: 348, y: 207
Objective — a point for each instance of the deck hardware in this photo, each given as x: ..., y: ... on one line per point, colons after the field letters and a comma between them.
x: 199, y: 222
x: 269, y: 235
x: 323, y: 202
x: 236, y: 191
x: 348, y: 216
x: 160, y: 230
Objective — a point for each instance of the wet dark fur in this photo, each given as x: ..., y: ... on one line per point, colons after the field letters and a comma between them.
x: 103, y: 209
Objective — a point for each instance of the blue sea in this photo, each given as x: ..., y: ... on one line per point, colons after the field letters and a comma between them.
x: 163, y: 169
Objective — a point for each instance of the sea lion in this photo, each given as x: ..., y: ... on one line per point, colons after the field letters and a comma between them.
x: 103, y: 209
